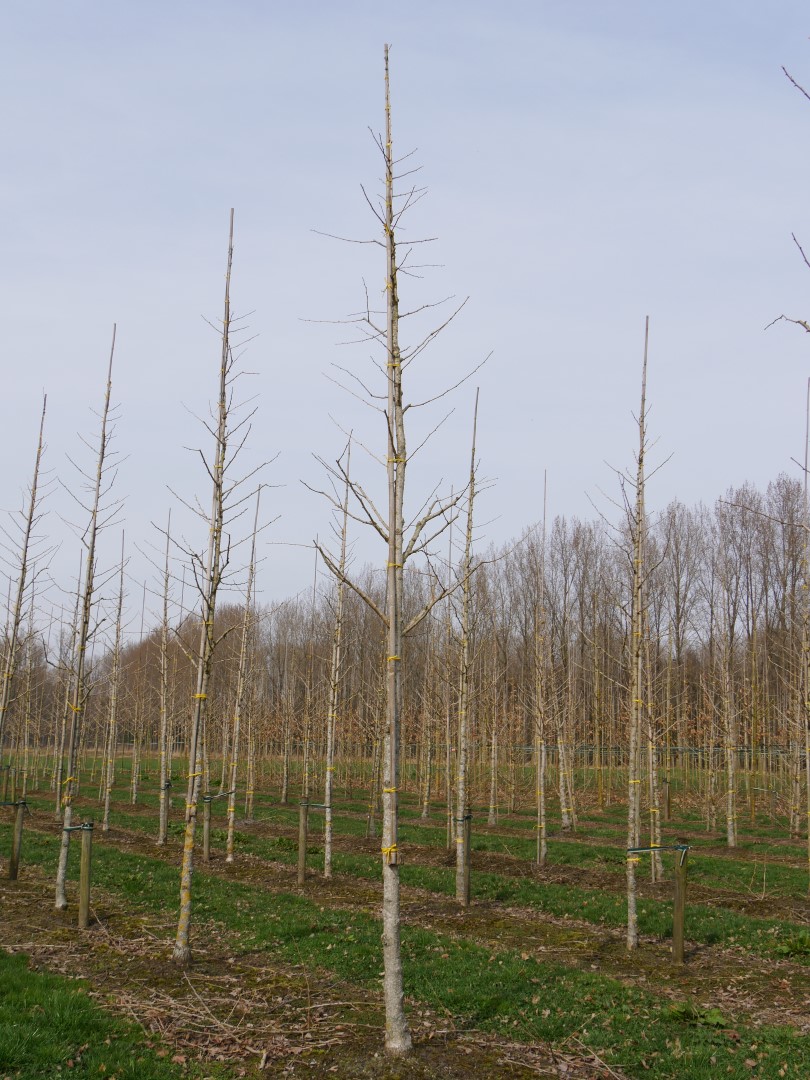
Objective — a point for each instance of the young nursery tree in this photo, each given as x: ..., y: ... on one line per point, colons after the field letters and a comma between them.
x: 638, y: 533
x: 100, y: 514
x: 108, y: 770
x: 21, y: 552
x: 226, y: 504
x: 164, y: 736
x: 242, y: 676
x: 462, y: 754
x: 403, y: 542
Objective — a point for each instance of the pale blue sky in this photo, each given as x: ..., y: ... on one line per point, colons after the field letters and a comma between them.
x: 589, y: 163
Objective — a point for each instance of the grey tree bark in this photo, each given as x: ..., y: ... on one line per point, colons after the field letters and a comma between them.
x: 241, y: 689
x: 112, y: 713
x: 79, y: 693
x: 164, y: 739
x: 13, y: 643
x: 212, y: 570
x: 467, y: 569
x: 335, y: 674
x: 638, y: 522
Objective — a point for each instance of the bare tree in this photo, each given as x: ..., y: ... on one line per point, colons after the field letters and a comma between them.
x: 335, y: 674
x: 462, y: 833
x: 112, y: 711
x: 638, y: 528
x: 164, y: 739
x: 98, y: 487
x: 403, y: 542
x: 226, y: 504
x: 22, y: 553
x: 241, y: 687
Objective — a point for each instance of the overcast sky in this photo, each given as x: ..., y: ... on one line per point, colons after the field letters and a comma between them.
x: 587, y: 164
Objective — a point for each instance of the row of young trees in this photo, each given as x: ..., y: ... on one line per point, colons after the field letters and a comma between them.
x: 548, y: 665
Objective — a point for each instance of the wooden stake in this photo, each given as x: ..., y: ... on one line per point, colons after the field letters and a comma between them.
x: 206, y: 828
x: 679, y: 909
x: 16, y: 842
x: 303, y: 822
x: 84, y: 875
x: 465, y: 897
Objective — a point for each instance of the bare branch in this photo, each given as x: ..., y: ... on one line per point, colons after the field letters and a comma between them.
x: 341, y: 576
x: 801, y: 89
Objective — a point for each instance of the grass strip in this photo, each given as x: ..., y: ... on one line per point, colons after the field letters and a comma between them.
x: 502, y: 991
x: 705, y: 925
x: 49, y: 1025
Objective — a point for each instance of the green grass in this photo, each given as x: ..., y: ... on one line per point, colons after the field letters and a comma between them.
x: 711, y: 870
x: 495, y: 990
x: 50, y: 1027
x: 705, y: 925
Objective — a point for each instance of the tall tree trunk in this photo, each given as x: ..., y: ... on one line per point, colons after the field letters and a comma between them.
x: 638, y: 525
x: 164, y: 738
x: 79, y: 693
x: 17, y: 612
x: 462, y: 833
x: 112, y: 716
x: 335, y: 674
x: 212, y: 576
x: 730, y: 740
x: 241, y: 688
x: 397, y: 1033
x: 541, y: 753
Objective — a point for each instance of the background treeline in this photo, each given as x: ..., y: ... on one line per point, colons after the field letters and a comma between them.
x: 725, y: 643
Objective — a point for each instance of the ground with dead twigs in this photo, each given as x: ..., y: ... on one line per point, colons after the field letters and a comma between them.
x: 532, y: 980
x: 258, y: 1019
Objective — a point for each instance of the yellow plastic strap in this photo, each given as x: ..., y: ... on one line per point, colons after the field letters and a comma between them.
x: 390, y: 658
x: 330, y: 768
x: 231, y: 809
x: 388, y: 851
x: 190, y: 805
x: 396, y: 565
x: 654, y: 810
x: 389, y: 790
x: 635, y: 781
x: 192, y: 775
x: 633, y: 858
x: 76, y: 708
x: 68, y: 780
x: 200, y: 697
